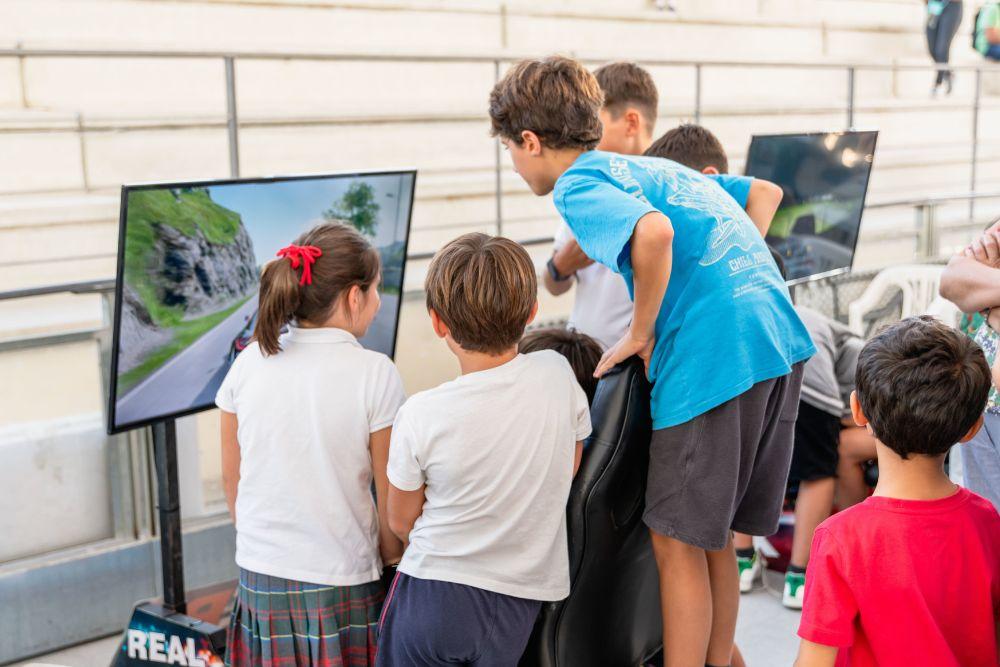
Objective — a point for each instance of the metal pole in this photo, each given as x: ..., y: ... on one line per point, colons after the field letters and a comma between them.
x: 975, y: 142
x: 21, y: 78
x: 927, y: 234
x: 697, y: 93
x: 232, y: 121
x: 80, y: 133
x: 497, y: 164
x: 850, y: 97
x: 169, y: 506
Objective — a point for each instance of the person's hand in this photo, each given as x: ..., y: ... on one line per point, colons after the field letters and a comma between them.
x: 986, y: 249
x: 570, y: 258
x: 993, y: 318
x: 627, y: 346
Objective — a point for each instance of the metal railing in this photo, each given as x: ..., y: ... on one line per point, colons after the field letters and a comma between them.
x: 228, y: 60
x: 926, y: 232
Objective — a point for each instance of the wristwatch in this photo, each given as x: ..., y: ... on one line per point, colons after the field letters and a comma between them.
x: 554, y: 272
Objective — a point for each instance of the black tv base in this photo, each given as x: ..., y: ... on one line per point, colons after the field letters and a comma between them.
x: 158, y: 635
x: 163, y: 633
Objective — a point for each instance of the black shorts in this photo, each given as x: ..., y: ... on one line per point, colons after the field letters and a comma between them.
x: 817, y: 435
x: 725, y: 469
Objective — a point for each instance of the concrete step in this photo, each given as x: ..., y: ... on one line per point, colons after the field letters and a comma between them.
x: 803, y: 28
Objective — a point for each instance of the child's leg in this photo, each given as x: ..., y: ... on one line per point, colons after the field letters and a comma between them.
x: 724, y: 579
x: 814, y: 466
x: 742, y: 541
x: 857, y: 445
x: 686, y: 600
x: 748, y: 561
x: 812, y: 507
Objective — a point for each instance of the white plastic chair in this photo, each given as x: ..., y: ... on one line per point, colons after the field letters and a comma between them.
x: 919, y: 284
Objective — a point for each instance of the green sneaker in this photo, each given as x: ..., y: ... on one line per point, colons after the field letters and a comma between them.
x: 749, y: 571
x: 795, y: 590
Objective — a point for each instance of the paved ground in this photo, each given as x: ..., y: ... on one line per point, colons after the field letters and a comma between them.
x: 765, y: 634
x: 766, y: 630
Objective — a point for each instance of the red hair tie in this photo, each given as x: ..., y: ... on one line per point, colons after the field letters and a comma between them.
x: 302, y: 254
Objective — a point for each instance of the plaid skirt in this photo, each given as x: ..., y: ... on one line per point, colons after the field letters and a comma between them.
x: 280, y: 623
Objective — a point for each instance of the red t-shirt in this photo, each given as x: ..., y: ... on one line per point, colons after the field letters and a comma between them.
x: 907, y: 582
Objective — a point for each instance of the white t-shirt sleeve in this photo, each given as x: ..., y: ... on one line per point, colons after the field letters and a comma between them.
x: 225, y: 398
x: 563, y: 236
x: 404, y: 471
x: 582, y: 410
x: 385, y: 395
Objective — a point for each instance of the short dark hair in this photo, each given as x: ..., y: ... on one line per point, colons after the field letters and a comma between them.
x: 484, y: 288
x: 693, y: 146
x: 581, y: 351
x: 780, y: 261
x: 922, y: 385
x: 626, y: 84
x: 557, y: 98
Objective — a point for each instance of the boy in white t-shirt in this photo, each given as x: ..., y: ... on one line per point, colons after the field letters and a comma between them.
x: 602, y: 308
x: 480, y: 470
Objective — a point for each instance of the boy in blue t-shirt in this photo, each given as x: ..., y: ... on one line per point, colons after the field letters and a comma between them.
x: 712, y: 319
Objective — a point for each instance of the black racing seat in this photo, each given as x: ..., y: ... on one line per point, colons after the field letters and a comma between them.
x: 612, y: 615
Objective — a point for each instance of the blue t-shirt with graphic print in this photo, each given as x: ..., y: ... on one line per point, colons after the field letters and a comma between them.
x: 727, y: 321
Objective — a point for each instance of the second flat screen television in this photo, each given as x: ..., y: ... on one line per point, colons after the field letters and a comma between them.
x: 825, y: 180
x: 189, y: 261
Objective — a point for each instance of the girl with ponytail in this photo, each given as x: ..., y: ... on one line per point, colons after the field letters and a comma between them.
x: 306, y: 420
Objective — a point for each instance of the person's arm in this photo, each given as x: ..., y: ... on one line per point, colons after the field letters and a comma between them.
x: 970, y: 284
x: 389, y: 546
x: 652, y: 255
x: 230, y: 460
x: 405, y: 507
x: 762, y: 203
x: 405, y: 474
x: 577, y: 457
x: 568, y: 259
x: 816, y: 655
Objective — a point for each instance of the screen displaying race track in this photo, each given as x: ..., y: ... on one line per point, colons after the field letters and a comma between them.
x: 189, y: 261
x: 825, y: 181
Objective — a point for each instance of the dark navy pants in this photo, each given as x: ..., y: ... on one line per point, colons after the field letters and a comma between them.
x: 426, y: 622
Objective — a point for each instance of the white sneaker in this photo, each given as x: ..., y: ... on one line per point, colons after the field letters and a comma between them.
x: 795, y: 590
x: 749, y: 571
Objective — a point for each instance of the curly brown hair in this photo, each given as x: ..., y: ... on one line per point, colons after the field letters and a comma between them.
x: 556, y: 98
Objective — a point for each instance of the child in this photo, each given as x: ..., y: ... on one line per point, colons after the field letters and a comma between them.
x: 306, y: 421
x: 696, y: 147
x: 581, y: 351
x: 911, y: 576
x: 601, y: 305
x: 693, y: 146
x: 711, y: 318
x: 480, y: 471
x: 827, y: 455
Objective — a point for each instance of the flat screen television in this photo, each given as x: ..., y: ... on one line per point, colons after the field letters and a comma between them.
x: 189, y: 260
x: 825, y: 178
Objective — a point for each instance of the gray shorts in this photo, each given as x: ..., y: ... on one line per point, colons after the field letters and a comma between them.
x: 725, y: 469
x: 981, y: 460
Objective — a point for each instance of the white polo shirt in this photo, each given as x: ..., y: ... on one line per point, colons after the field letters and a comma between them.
x: 304, y: 507
x: 602, y: 308
x: 495, y: 450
